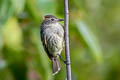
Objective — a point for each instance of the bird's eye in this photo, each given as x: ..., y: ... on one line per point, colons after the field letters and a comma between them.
x: 52, y: 19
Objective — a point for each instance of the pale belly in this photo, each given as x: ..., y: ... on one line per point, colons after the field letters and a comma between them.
x: 55, y: 44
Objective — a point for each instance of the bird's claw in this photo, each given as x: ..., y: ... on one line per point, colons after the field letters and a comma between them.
x: 66, y: 62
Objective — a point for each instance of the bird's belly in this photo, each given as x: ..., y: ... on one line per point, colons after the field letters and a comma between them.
x: 55, y: 44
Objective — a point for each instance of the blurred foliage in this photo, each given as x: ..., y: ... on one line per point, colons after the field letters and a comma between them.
x: 94, y: 39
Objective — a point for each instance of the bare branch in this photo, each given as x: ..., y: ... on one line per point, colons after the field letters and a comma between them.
x: 67, y: 52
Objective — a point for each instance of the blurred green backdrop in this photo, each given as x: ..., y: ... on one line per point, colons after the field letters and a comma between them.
x: 94, y: 39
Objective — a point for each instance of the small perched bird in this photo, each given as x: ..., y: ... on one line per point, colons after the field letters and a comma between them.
x: 52, y: 37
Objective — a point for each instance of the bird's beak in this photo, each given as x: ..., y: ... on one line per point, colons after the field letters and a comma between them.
x: 60, y: 20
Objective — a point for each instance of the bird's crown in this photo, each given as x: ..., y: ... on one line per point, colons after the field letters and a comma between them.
x: 50, y: 16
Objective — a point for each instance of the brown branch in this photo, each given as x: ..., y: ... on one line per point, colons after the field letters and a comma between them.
x: 67, y: 52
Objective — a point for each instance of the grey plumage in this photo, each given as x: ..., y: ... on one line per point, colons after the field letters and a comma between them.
x: 52, y: 36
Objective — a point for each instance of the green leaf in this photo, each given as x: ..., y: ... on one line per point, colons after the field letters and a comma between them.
x: 38, y: 8
x: 6, y: 11
x: 8, y: 8
x: 18, y: 5
x: 1, y: 40
x: 33, y: 11
x: 91, y: 40
x: 47, y: 6
x: 12, y: 34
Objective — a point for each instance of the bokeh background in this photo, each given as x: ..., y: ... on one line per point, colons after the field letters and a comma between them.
x: 94, y: 39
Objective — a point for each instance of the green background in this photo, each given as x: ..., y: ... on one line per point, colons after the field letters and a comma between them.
x: 94, y: 39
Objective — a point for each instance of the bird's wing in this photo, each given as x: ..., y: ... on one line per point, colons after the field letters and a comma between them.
x: 44, y: 42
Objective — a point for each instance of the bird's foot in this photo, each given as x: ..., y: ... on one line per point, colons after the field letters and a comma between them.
x: 66, y: 62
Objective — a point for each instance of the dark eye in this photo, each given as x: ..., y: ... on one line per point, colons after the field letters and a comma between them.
x: 52, y: 19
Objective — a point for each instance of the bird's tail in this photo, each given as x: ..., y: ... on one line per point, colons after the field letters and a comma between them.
x: 56, y: 65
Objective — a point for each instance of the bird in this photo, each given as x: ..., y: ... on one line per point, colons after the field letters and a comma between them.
x: 52, y: 37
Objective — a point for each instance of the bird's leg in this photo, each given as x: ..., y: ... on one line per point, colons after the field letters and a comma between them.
x: 62, y: 59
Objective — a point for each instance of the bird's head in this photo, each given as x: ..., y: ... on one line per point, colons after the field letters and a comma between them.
x: 51, y: 19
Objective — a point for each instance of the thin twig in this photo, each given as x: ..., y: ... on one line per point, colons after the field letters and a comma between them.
x: 67, y: 52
